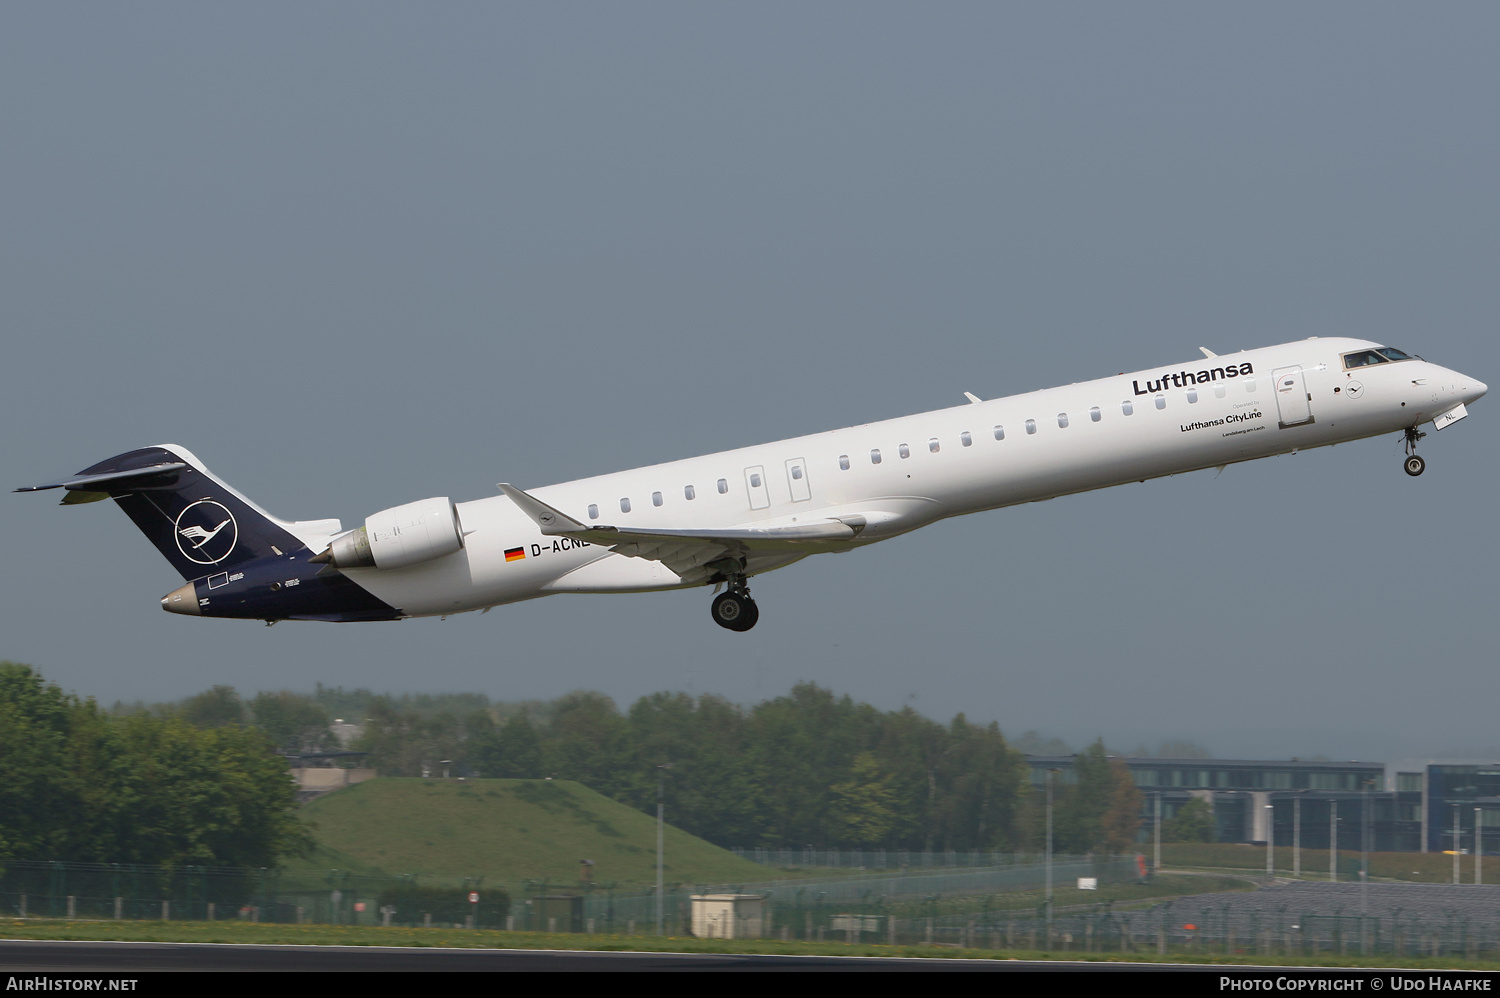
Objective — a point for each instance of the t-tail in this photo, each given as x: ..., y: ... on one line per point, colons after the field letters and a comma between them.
x: 238, y: 560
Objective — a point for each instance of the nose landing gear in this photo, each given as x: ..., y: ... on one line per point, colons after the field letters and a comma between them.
x: 1413, y: 464
x: 735, y: 609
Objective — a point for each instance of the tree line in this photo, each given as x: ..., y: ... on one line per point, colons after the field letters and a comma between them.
x: 808, y: 768
x: 81, y: 784
x: 203, y: 780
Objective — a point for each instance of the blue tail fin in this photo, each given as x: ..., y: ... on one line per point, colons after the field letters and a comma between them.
x: 198, y: 523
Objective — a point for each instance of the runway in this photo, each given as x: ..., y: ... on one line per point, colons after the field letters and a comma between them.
x: 19, y: 956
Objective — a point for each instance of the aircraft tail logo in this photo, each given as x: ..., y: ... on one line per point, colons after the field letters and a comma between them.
x: 201, y: 533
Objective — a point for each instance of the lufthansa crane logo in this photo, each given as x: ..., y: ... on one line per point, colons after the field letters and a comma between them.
x: 206, y: 532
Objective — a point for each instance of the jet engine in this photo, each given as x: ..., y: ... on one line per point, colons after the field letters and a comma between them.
x: 398, y: 537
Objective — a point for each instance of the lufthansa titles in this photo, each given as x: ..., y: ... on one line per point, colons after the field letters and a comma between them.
x: 1182, y: 379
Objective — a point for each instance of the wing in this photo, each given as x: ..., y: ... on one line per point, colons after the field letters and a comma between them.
x: 691, y: 552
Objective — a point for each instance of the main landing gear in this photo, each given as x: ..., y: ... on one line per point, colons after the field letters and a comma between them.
x: 1414, y: 465
x: 735, y: 609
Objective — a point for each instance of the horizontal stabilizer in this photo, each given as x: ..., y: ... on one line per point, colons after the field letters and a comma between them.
x: 156, y: 476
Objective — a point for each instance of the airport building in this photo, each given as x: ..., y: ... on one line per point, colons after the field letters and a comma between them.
x: 1411, y: 806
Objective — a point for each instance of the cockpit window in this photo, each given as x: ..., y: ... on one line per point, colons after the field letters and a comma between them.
x: 1362, y: 358
x: 1391, y: 353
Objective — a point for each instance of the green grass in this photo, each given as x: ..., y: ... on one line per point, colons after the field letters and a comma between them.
x: 325, y: 935
x: 1426, y: 868
x: 507, y: 831
x: 1065, y: 897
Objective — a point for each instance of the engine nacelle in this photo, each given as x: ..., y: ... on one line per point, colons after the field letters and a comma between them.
x: 399, y: 536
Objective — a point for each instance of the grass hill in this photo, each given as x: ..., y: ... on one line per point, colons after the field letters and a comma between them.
x: 507, y: 831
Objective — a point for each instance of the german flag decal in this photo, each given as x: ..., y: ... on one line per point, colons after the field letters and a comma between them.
x: 515, y: 554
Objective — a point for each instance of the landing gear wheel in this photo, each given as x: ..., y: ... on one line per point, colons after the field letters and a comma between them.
x: 735, y: 611
x: 1414, y: 465
x: 752, y: 613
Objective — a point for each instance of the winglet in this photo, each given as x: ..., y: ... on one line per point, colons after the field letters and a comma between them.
x: 550, y: 521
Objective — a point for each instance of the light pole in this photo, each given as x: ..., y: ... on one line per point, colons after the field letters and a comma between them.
x: 1270, y: 844
x: 1333, y: 840
x: 1364, y: 868
x: 1455, y: 843
x: 1478, y: 849
x: 661, y: 776
x: 1050, y: 774
x: 1156, y: 859
x: 1297, y: 837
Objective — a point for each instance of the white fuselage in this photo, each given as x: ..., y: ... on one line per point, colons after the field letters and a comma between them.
x: 900, y: 474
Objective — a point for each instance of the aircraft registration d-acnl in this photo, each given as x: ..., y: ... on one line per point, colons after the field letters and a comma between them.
x: 721, y: 519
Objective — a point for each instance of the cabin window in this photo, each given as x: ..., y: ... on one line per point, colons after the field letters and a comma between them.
x: 999, y: 433
x: 904, y: 450
x: 688, y: 492
x: 1062, y: 420
x: 1218, y: 391
x: 624, y: 505
x: 1161, y: 401
x: 843, y: 462
x: 593, y: 511
x: 1095, y: 414
x: 796, y: 473
x: 1250, y: 385
x: 755, y: 481
x: 933, y: 445
x: 875, y: 455
x: 723, y: 486
x: 656, y: 498
x: 1192, y: 396
x: 1127, y: 407
x: 965, y: 439
x: 1031, y: 426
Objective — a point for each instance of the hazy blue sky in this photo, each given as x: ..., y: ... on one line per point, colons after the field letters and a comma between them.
x: 357, y: 254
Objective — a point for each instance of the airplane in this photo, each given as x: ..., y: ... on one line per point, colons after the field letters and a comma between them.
x: 724, y: 518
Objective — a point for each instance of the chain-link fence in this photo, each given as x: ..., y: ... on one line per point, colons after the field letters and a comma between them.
x: 30, y: 889
x: 1299, y: 919
x: 883, y: 859
x: 339, y: 897
x: 998, y: 907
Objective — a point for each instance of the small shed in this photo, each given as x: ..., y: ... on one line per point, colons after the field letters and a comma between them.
x: 555, y: 913
x: 730, y: 916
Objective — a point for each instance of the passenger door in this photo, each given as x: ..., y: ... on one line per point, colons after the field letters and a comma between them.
x: 796, y: 480
x: 1291, y: 396
x: 755, y: 486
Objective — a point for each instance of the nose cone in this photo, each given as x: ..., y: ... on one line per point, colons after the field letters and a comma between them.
x: 1474, y: 389
x: 183, y: 599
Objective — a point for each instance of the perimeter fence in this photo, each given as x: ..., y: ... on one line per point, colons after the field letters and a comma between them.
x: 32, y: 889
x: 996, y: 907
x: 884, y: 859
x: 339, y: 897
